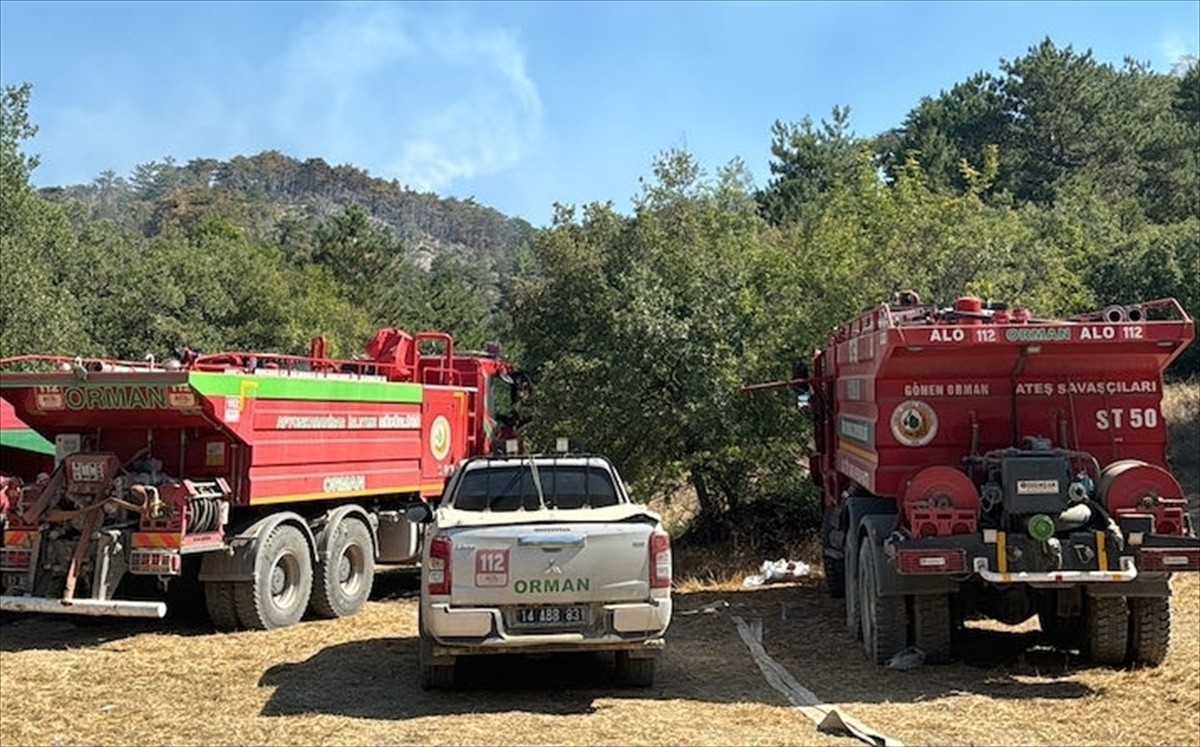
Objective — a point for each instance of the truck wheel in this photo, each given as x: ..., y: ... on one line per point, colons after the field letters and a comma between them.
x: 222, y: 609
x: 853, y: 623
x: 835, y: 576
x: 834, y: 565
x: 884, y: 620
x: 634, y: 672
x: 282, y: 584
x: 342, y: 584
x: 1107, y: 627
x: 1149, y: 629
x: 932, y: 631
x: 434, y: 676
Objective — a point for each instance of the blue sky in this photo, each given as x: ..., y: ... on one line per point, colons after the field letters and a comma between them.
x: 518, y: 105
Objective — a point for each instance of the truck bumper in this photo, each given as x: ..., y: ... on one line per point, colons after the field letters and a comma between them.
x: 90, y: 607
x: 1010, y: 558
x: 1128, y: 572
x: 637, y: 649
x: 624, y: 626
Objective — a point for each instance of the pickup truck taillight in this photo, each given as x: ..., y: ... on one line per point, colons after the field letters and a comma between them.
x: 439, y: 565
x: 660, y: 560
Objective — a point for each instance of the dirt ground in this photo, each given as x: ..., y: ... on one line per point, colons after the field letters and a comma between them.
x: 66, y: 681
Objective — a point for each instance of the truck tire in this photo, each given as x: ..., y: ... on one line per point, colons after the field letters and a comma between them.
x: 282, y: 584
x: 1149, y: 630
x: 222, y: 609
x: 342, y: 584
x: 853, y: 623
x: 435, y: 674
x: 932, y: 629
x: 634, y: 672
x: 835, y: 576
x: 1106, y: 621
x: 884, y: 620
x: 834, y: 565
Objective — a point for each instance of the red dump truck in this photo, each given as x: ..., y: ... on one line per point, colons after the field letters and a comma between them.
x: 276, y: 482
x: 977, y: 461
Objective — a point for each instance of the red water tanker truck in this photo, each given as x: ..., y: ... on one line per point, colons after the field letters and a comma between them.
x: 977, y: 461
x: 269, y: 484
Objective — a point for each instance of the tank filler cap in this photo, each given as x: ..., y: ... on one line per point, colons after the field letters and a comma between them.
x: 969, y: 304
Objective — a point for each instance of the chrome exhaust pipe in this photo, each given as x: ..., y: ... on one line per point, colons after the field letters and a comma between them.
x: 89, y: 607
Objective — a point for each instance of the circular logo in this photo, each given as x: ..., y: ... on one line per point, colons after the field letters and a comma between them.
x: 439, y: 437
x: 914, y: 423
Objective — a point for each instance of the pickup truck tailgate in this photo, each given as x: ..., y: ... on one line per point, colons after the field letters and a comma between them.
x: 571, y: 562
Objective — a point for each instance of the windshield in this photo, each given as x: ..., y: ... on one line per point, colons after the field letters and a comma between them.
x: 511, y: 487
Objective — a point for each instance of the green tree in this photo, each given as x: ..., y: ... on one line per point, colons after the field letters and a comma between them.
x: 37, y: 313
x: 944, y: 132
x: 635, y: 327
x: 807, y: 161
x: 361, y: 256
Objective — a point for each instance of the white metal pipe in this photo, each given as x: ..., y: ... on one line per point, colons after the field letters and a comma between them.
x: 90, y: 607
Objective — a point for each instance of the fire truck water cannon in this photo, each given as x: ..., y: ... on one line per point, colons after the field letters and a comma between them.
x: 975, y: 459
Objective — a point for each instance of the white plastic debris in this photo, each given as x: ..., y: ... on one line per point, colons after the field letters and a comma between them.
x: 776, y: 571
x: 910, y: 658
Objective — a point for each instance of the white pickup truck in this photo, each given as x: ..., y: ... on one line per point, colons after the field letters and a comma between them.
x: 541, y: 554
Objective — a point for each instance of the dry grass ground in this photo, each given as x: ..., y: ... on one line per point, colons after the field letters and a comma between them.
x: 352, y: 682
x: 1181, y: 410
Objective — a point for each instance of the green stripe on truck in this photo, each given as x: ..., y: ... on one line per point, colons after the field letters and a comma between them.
x: 289, y: 387
x: 25, y: 440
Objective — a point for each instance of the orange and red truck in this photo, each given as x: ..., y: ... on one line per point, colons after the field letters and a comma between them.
x: 271, y: 485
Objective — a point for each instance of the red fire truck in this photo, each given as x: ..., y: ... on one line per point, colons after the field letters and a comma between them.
x: 976, y: 460
x: 276, y: 482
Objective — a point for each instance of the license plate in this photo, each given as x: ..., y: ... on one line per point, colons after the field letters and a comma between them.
x: 551, y: 615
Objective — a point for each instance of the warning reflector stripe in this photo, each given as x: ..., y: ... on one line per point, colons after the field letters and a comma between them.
x: 156, y: 539
x: 17, y: 538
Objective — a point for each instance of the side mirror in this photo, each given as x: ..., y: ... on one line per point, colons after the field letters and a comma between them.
x: 521, y: 387
x: 800, y: 385
x: 418, y: 513
x: 800, y: 377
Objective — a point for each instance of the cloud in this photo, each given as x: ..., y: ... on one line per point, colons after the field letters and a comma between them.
x: 427, y: 100
x: 1175, y: 46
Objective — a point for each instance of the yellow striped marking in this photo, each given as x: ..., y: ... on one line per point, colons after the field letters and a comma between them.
x: 1101, y: 551
x: 1001, y: 553
x: 430, y: 486
x: 245, y: 389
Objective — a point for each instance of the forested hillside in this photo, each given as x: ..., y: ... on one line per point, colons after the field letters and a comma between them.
x: 1056, y: 182
x: 290, y: 195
